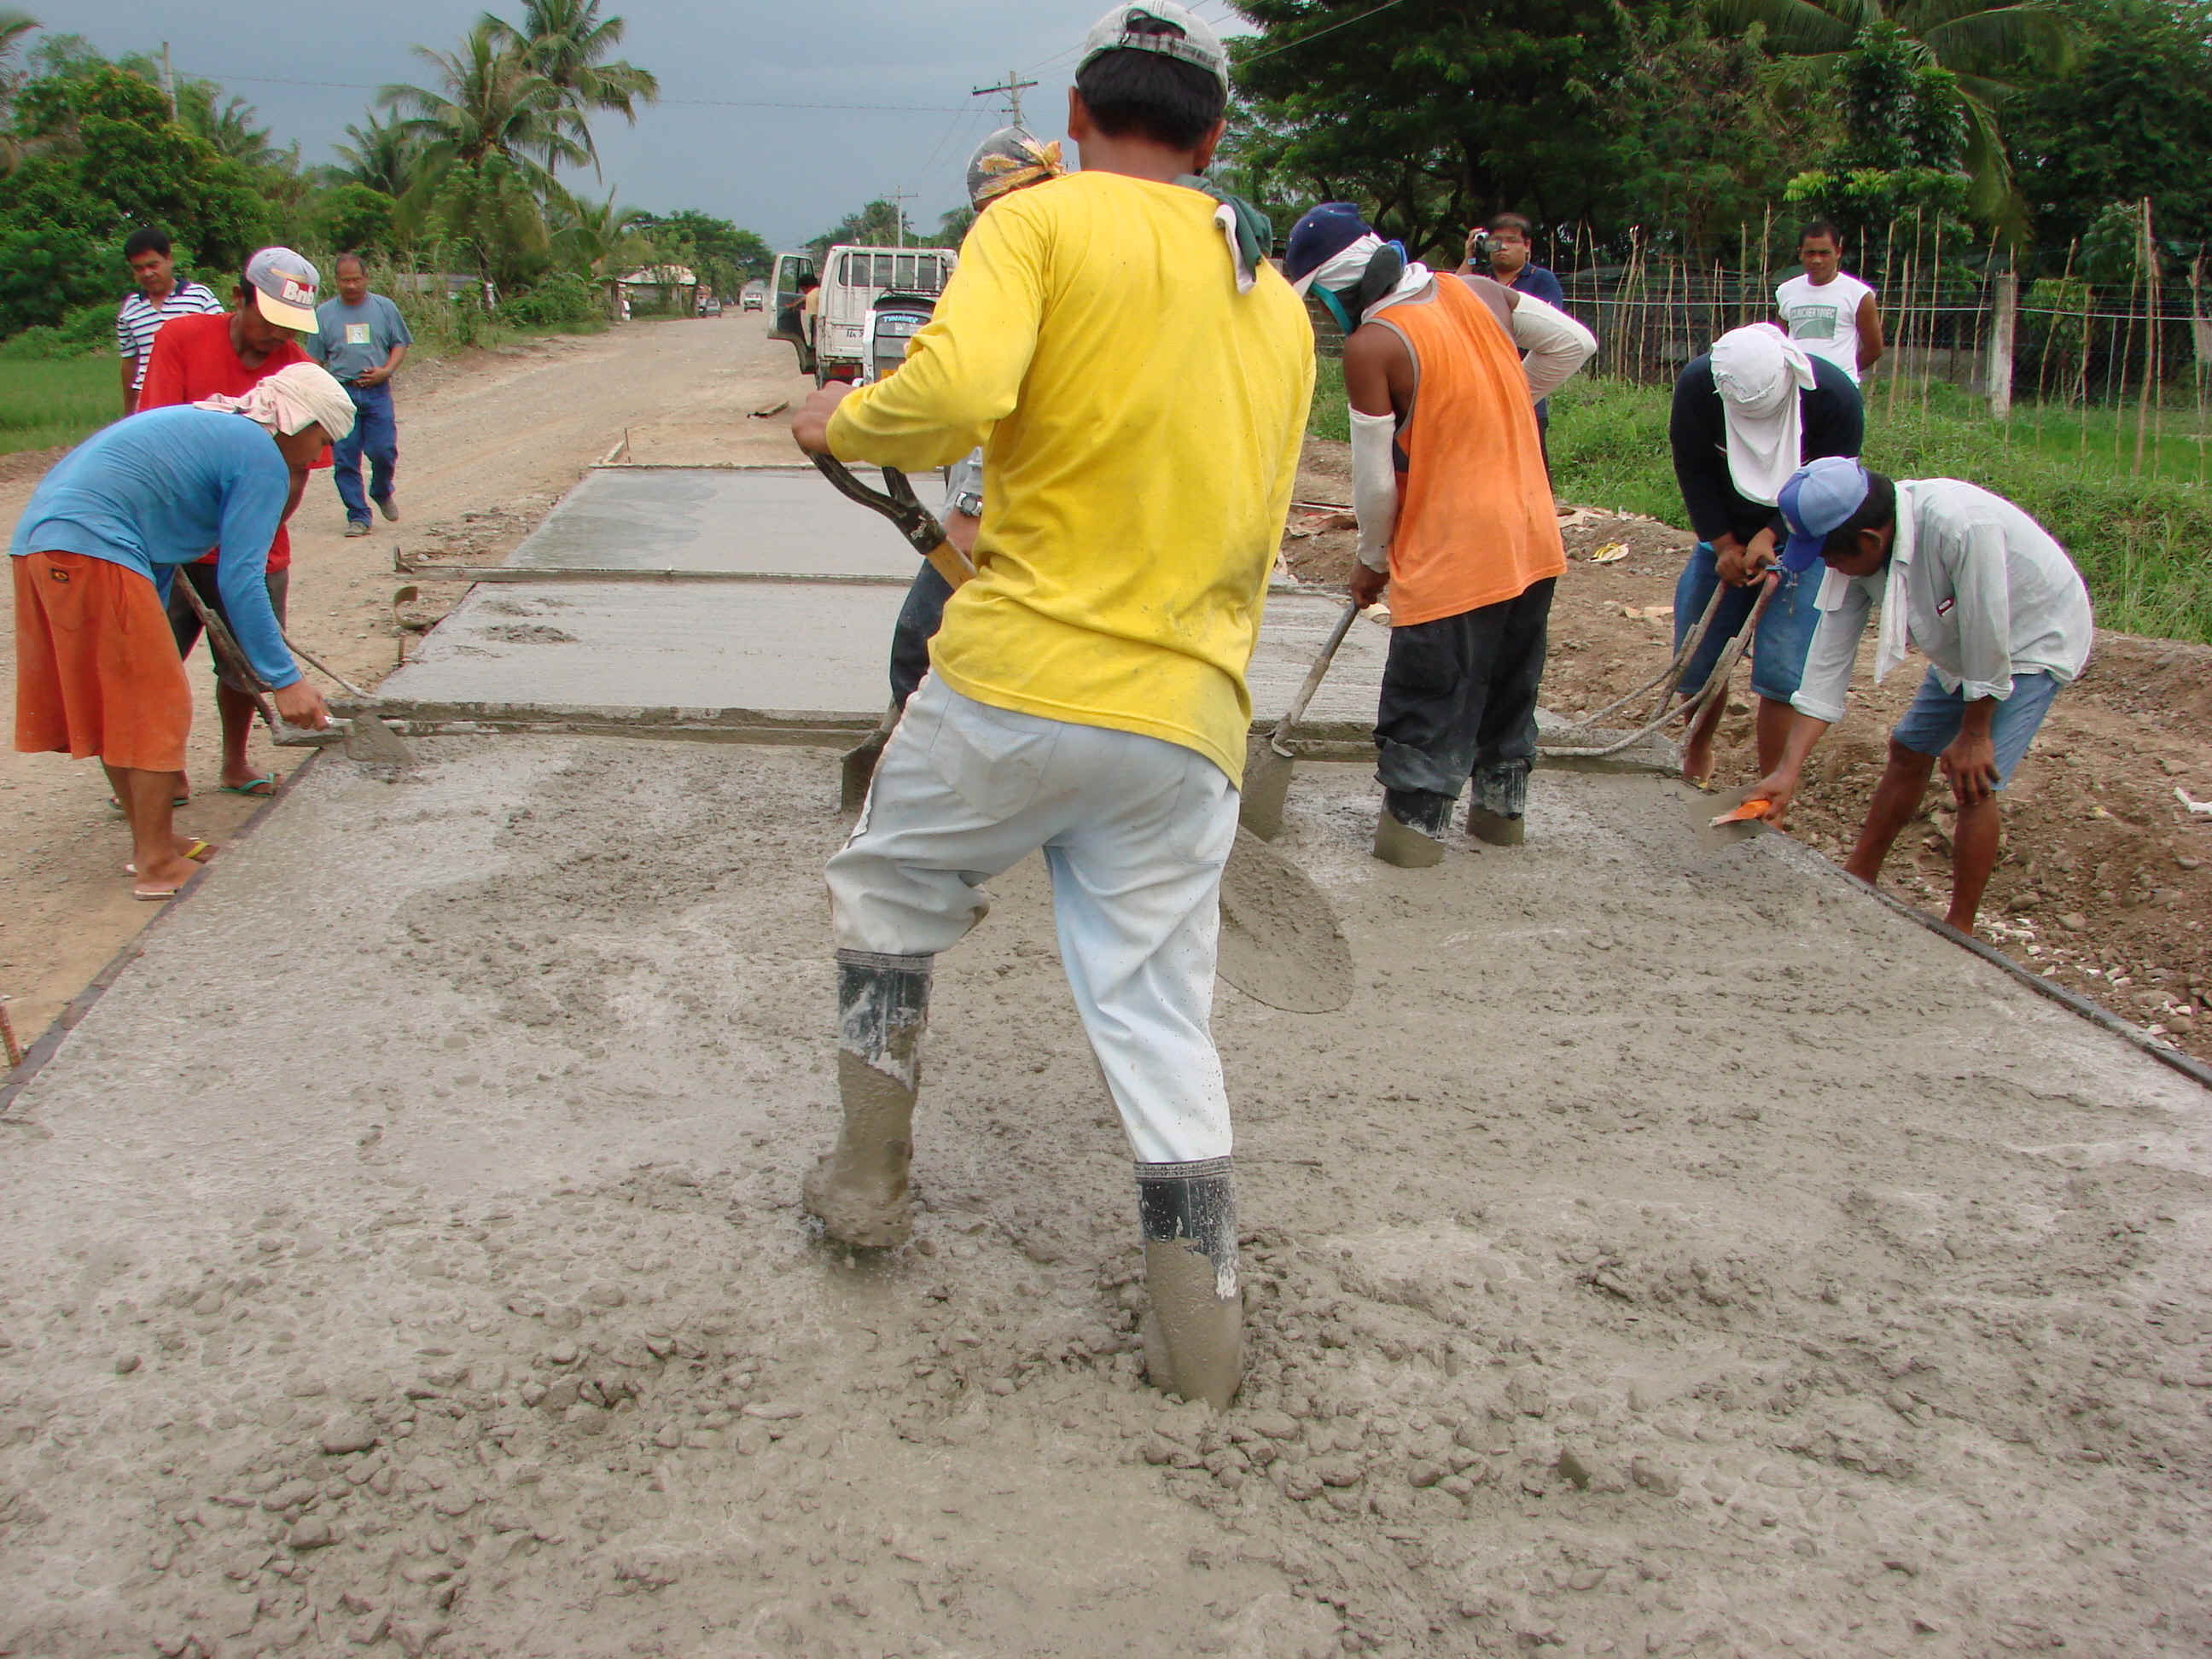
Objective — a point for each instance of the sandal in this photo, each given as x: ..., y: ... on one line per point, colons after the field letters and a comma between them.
x: 199, y: 852
x: 258, y: 788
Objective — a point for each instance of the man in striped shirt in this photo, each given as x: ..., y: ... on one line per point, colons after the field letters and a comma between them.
x: 160, y: 297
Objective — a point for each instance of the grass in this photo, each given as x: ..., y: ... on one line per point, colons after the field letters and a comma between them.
x: 2144, y: 545
x: 53, y: 403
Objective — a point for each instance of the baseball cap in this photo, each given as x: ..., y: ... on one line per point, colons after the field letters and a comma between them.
x: 1123, y: 29
x: 1320, y: 236
x: 283, y: 285
x: 1820, y: 497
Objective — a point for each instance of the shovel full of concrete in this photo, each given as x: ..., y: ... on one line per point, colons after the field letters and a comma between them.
x: 1268, y: 760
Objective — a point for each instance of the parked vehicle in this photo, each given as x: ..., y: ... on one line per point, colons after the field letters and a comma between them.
x: 852, y: 280
x: 753, y: 297
x: 894, y: 319
x: 783, y: 305
x: 710, y: 305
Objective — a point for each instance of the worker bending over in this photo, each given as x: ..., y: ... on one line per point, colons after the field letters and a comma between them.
x: 1140, y: 376
x: 1747, y: 415
x: 96, y: 667
x: 1986, y: 593
x: 1455, y: 518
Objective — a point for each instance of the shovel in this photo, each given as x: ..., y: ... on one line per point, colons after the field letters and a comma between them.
x: 1268, y: 761
x: 366, y: 736
x: 896, y: 501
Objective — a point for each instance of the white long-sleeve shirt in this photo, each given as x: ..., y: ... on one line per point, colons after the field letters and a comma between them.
x: 1978, y: 586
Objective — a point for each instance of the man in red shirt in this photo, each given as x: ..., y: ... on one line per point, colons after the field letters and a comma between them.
x: 224, y: 356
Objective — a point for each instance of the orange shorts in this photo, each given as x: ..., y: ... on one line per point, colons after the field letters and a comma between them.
x: 96, y: 667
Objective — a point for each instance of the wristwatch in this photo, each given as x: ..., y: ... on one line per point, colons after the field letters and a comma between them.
x: 970, y: 502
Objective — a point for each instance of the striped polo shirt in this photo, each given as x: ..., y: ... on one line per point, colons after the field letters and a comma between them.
x: 140, y: 320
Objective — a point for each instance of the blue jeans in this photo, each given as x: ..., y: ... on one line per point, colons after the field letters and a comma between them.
x: 1785, y: 627
x: 1934, y: 719
x: 375, y: 434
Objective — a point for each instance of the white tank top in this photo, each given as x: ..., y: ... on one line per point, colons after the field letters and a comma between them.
x: 1825, y: 321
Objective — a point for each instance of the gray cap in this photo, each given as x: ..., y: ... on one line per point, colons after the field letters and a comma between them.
x: 1124, y: 29
x: 284, y: 284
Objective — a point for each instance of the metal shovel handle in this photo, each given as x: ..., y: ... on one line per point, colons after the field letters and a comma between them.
x: 1314, y: 675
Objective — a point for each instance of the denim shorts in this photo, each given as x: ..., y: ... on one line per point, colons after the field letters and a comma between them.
x: 1936, y: 715
x: 1785, y: 628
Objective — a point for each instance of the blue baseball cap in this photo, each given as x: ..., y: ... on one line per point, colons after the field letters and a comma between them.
x: 1820, y: 496
x: 1319, y: 237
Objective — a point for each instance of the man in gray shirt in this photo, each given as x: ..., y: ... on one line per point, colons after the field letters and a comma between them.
x: 1987, y: 596
x: 362, y: 338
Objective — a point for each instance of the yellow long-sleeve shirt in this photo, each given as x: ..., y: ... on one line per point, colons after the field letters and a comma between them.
x: 1142, y: 422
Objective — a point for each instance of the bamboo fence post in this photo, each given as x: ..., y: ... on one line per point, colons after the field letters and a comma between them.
x: 1765, y: 253
x: 2196, y: 352
x: 1743, y: 269
x: 1888, y: 246
x: 2150, y: 340
x: 2114, y: 391
x: 1905, y: 339
x: 1934, y: 305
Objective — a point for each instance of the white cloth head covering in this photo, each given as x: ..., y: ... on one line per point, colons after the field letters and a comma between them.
x: 1758, y: 371
x: 1346, y: 269
x: 294, y: 397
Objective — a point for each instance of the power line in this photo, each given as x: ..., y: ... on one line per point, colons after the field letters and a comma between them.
x: 1012, y: 87
x: 1318, y: 33
x: 688, y: 103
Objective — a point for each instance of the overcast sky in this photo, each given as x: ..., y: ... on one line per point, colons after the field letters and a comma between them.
x: 785, y: 173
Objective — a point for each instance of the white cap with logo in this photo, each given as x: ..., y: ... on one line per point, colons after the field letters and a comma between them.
x: 284, y: 284
x: 1136, y: 26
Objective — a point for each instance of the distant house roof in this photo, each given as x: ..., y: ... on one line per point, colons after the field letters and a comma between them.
x: 662, y: 277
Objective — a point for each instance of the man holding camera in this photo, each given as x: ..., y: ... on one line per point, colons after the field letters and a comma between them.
x: 1500, y: 251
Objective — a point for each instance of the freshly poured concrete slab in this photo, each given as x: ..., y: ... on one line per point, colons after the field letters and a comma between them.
x: 782, y: 519
x: 779, y: 648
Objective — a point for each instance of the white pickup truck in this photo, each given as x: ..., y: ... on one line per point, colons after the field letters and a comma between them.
x: 851, y: 279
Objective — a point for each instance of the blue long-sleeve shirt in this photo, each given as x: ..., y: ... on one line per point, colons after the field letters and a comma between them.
x: 158, y: 490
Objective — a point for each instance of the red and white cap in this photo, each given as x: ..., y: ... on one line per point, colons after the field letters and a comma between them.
x: 284, y: 284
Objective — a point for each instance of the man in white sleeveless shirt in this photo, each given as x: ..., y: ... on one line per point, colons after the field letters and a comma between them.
x: 1830, y: 313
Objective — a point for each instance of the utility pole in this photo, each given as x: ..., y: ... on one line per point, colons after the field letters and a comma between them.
x: 168, y: 81
x: 899, y: 199
x: 1010, y: 89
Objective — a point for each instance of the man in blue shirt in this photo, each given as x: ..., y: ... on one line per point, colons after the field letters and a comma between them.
x: 96, y: 667
x: 362, y: 338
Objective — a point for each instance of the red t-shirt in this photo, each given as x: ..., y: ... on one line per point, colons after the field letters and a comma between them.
x: 191, y: 362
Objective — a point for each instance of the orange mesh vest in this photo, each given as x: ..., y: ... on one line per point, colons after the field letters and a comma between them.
x: 1475, y: 524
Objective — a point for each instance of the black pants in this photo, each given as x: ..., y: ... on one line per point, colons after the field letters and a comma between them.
x: 918, y: 621
x: 1459, y: 700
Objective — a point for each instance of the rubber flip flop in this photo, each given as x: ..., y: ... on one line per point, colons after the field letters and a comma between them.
x: 160, y: 895
x: 199, y: 852
x: 258, y: 788
x: 115, y: 805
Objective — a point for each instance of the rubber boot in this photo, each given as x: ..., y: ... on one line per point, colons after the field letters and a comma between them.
x: 1497, y: 810
x: 859, y: 1191
x: 1408, y: 830
x: 1193, y: 1331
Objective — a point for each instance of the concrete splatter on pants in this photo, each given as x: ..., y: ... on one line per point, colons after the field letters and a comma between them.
x: 1459, y: 700
x: 1134, y: 831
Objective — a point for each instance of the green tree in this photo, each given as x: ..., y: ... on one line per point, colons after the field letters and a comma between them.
x: 598, y: 239
x: 2133, y: 117
x: 879, y: 224
x: 723, y: 255
x: 1981, y: 44
x: 354, y: 218
x: 14, y: 27
x: 1433, y: 113
x: 566, y: 42
x: 383, y: 157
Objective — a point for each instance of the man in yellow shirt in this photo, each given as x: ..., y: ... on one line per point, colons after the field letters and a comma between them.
x: 1140, y: 378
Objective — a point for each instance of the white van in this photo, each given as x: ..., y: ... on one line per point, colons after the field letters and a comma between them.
x: 852, y: 278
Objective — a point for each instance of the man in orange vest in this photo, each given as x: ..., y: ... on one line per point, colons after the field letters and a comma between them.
x: 1456, y: 519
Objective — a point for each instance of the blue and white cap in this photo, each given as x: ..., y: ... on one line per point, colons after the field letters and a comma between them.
x: 1819, y: 498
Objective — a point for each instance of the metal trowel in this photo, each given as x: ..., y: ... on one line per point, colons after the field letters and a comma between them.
x: 1724, y: 817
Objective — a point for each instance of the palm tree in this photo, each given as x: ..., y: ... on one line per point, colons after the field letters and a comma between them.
x: 1979, y: 42
x: 488, y: 103
x: 567, y: 42
x: 380, y: 156
x: 598, y: 240
x: 13, y: 26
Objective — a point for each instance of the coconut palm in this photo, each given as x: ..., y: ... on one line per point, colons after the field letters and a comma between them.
x: 598, y: 239
x: 488, y: 102
x: 567, y: 42
x: 1980, y: 43
x: 13, y: 26
x: 380, y: 156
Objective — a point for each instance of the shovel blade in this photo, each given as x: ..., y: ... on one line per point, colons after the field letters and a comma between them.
x: 1267, y: 789
x: 857, y: 771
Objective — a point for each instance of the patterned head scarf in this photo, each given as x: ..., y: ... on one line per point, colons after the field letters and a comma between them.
x: 294, y: 397
x: 1007, y: 160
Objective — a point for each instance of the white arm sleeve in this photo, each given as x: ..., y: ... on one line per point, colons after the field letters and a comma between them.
x: 1374, y: 486
x: 1556, y: 343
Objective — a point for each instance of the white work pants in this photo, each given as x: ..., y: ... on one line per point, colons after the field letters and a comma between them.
x: 1135, y: 832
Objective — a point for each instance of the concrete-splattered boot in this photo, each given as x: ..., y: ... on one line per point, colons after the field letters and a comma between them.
x: 1500, y: 800
x: 1409, y: 830
x: 859, y: 1191
x: 1195, y: 1329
